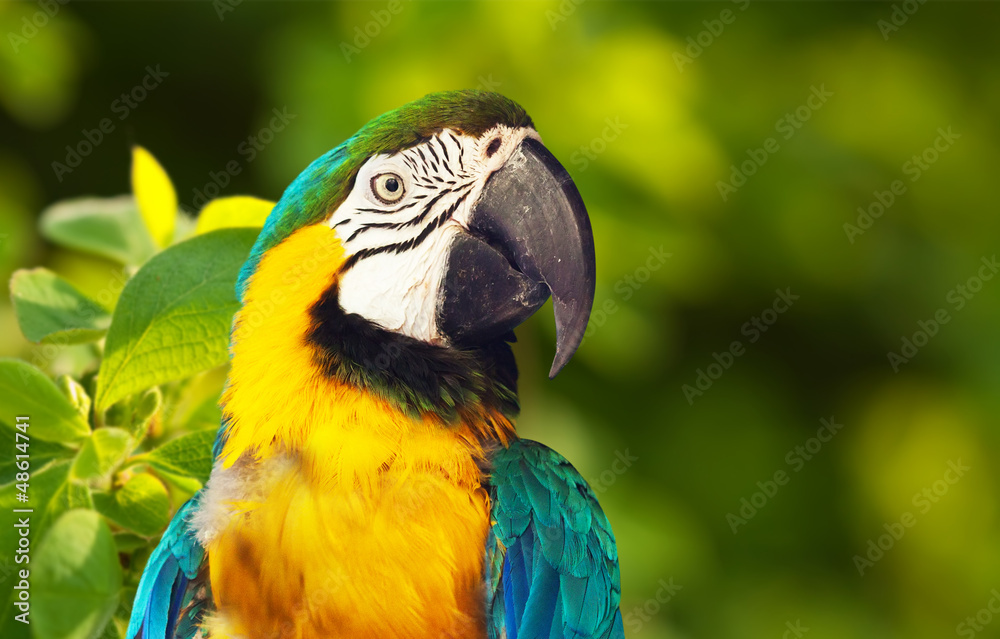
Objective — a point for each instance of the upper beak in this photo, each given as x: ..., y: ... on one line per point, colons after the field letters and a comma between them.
x: 528, y: 237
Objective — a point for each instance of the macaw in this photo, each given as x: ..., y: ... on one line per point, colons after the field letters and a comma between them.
x: 368, y: 479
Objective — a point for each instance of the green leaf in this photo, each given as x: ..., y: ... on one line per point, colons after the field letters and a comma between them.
x: 135, y: 412
x: 75, y: 578
x: 102, y: 453
x: 71, y: 494
x: 207, y: 415
x: 186, y: 456
x: 109, y: 227
x: 76, y: 394
x: 25, y: 390
x: 50, y: 309
x: 9, y: 627
x: 58, y: 494
x: 187, y: 485
x: 127, y: 542
x: 173, y: 318
x: 119, y: 623
x: 146, y: 409
x: 141, y: 505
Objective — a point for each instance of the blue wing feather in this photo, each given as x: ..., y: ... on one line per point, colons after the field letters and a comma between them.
x: 551, y: 560
x: 163, y: 587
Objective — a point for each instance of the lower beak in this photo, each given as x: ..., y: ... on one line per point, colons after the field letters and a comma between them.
x: 528, y: 237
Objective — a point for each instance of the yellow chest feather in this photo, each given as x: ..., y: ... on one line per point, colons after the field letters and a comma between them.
x: 308, y: 561
x: 348, y: 518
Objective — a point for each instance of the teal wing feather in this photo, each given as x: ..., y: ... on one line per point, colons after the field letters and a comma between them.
x: 172, y: 598
x: 551, y: 560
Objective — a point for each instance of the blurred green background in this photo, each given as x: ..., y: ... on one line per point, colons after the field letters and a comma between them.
x: 649, y: 123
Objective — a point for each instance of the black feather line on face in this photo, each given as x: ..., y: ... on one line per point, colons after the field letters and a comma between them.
x: 461, y: 165
x: 430, y: 147
x: 402, y: 247
x: 386, y: 211
x: 444, y: 149
x: 413, y: 221
x: 417, y: 377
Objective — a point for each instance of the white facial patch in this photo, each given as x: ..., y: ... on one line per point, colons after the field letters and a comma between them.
x: 398, y: 291
x: 399, y: 221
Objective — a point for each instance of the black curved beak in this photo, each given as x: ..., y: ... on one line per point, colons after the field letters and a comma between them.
x: 528, y: 237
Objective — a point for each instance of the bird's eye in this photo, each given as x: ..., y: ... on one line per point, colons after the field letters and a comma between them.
x: 387, y: 187
x: 493, y: 147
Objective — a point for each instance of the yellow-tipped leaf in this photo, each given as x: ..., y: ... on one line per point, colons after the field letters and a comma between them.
x: 230, y: 212
x: 155, y: 195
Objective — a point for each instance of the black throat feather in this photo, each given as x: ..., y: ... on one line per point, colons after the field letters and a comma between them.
x: 417, y: 377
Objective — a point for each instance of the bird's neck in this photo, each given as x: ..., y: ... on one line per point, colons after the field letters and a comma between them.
x: 307, y: 377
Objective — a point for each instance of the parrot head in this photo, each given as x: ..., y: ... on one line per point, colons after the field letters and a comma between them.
x: 454, y: 225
